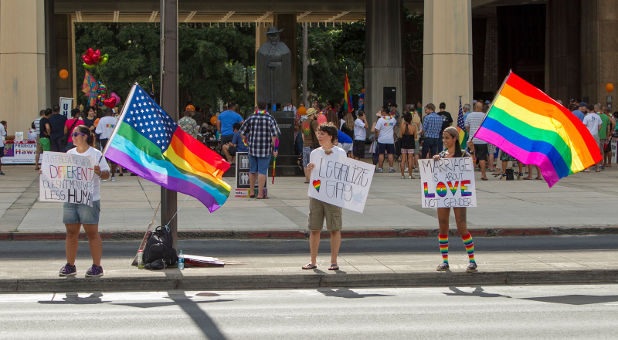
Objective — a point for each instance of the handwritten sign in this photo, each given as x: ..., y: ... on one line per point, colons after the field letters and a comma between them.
x: 341, y: 181
x: 66, y: 178
x: 447, y: 182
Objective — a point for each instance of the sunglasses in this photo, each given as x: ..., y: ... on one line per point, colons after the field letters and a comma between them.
x: 75, y: 134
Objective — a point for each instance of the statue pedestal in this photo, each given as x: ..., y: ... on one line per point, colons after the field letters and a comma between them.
x: 287, y: 159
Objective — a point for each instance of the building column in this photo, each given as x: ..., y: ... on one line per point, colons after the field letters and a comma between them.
x: 384, y: 69
x: 599, y: 51
x: 260, y: 38
x: 563, y: 67
x: 22, y: 62
x: 287, y: 22
x: 447, y: 53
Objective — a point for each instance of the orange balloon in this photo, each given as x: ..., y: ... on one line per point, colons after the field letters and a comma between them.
x: 302, y: 110
x: 609, y: 87
x: 213, y: 120
x: 63, y: 74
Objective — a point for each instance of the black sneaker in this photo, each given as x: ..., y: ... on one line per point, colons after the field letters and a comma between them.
x: 442, y: 267
x: 1, y: 173
x: 68, y: 270
x: 94, y: 271
x: 471, y: 268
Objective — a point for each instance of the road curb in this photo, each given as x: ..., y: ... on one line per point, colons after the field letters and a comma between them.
x: 176, y: 281
x: 350, y: 233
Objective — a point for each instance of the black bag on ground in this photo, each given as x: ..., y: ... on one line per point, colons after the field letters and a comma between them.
x: 510, y: 174
x: 159, y: 247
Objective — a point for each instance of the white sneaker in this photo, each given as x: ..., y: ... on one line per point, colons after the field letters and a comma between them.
x: 406, y: 170
x: 391, y: 170
x: 113, y: 178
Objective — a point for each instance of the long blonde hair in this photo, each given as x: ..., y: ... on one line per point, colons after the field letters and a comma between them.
x: 349, y: 120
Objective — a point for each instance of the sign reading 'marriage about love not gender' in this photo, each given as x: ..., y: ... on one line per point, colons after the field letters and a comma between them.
x: 447, y: 182
x: 66, y: 178
x: 341, y: 181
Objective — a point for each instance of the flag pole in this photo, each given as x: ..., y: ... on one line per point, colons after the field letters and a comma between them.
x: 169, y: 98
x: 120, y: 119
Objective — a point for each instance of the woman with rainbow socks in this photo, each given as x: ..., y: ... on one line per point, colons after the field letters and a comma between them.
x: 450, y: 138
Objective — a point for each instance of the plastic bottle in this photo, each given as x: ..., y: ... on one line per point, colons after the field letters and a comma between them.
x: 181, y: 260
x: 140, y: 259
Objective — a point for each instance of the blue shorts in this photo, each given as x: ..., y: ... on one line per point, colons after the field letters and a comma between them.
x: 258, y: 164
x: 389, y: 148
x: 306, y: 154
x: 80, y: 213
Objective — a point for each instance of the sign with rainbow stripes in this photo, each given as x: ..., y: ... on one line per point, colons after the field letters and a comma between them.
x: 447, y: 182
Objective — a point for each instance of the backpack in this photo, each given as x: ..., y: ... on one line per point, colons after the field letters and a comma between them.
x: 158, y: 252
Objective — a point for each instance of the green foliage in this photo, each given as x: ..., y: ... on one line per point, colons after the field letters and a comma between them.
x: 330, y: 51
x: 215, y: 63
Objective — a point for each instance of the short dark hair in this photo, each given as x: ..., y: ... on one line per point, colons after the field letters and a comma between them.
x: 430, y: 106
x: 236, y: 126
x: 56, y: 108
x: 75, y: 112
x: 443, y: 105
x: 42, y: 112
x: 330, y: 130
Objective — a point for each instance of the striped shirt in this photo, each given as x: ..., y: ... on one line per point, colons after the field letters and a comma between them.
x: 432, y: 125
x: 473, y: 121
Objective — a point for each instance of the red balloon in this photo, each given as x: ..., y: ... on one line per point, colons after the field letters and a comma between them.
x: 110, y: 102
x: 96, y: 56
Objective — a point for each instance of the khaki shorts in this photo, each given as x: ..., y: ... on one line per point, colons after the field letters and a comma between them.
x: 319, y: 210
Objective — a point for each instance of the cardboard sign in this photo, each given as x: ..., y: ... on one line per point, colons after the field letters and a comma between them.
x: 66, y: 178
x: 447, y: 183
x: 341, y: 181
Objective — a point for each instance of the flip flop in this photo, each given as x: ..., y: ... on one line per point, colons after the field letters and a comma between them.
x: 527, y: 179
x: 333, y: 267
x: 262, y: 198
x: 483, y: 179
x: 252, y: 196
x: 309, y: 266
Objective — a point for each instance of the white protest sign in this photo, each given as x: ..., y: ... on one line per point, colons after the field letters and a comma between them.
x: 66, y: 104
x: 447, y: 182
x: 66, y: 178
x: 341, y: 181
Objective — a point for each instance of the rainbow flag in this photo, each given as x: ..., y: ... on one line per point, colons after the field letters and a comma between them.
x: 530, y: 126
x: 150, y: 144
x: 347, y: 94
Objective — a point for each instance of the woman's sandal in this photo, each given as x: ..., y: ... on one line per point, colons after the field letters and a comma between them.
x: 333, y: 266
x: 309, y: 266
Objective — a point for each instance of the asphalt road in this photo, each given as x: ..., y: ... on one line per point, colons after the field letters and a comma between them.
x: 496, y: 312
x: 226, y: 247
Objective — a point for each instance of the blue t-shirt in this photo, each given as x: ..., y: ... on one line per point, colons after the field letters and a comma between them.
x: 228, y: 119
x: 237, y: 140
x: 579, y: 115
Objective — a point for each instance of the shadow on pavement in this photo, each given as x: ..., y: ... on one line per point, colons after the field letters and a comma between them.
x: 346, y: 293
x: 478, y: 291
x: 576, y: 300
x: 74, y: 298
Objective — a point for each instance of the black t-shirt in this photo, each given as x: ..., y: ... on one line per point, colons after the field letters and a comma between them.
x: 43, y: 133
x: 89, y: 122
x: 447, y: 120
x: 57, y: 121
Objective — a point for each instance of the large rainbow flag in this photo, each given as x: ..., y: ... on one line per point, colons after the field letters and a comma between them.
x: 347, y: 95
x: 150, y: 144
x: 532, y: 127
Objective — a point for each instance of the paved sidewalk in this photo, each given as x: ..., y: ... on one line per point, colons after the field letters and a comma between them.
x: 357, y: 270
x: 581, y: 203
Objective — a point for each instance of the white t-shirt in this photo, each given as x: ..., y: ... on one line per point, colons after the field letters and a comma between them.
x: 360, y: 131
x: 336, y: 152
x: 95, y: 156
x: 474, y: 121
x: 2, y: 135
x: 592, y: 122
x: 385, y: 126
x: 106, y: 126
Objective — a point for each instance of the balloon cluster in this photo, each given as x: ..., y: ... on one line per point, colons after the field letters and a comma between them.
x: 94, y: 58
x: 102, y: 97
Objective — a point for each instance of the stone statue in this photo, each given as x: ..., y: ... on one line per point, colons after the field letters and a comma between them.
x: 274, y: 70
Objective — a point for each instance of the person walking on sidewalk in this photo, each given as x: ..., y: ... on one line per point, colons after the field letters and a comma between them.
x: 318, y: 210
x: 76, y: 215
x: 450, y: 138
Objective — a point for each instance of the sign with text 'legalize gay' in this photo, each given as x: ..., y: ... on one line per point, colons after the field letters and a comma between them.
x: 447, y: 182
x: 66, y: 178
x: 341, y: 181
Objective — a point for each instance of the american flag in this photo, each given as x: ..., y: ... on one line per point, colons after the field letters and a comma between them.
x: 461, y: 126
x: 149, y: 119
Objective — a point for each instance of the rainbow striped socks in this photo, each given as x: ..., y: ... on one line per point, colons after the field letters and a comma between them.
x: 443, y: 240
x: 469, y: 244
